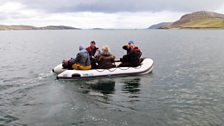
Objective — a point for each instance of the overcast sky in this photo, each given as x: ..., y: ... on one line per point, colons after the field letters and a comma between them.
x: 101, y: 13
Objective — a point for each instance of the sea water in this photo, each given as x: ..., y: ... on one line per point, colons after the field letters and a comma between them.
x: 185, y: 88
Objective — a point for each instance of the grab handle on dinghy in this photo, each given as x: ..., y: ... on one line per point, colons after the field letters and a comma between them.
x: 76, y: 75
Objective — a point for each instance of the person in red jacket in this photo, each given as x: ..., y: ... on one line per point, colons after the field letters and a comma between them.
x: 92, y: 49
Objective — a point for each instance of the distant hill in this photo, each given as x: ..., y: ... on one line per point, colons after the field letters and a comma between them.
x: 17, y: 27
x: 200, y: 19
x: 28, y: 27
x: 97, y: 28
x: 61, y: 27
x: 157, y: 26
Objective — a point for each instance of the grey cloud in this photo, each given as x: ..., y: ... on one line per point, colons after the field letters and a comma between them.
x: 111, y: 6
x: 150, y: 5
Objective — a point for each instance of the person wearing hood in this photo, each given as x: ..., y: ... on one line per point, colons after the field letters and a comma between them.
x: 82, y: 60
x: 105, y: 59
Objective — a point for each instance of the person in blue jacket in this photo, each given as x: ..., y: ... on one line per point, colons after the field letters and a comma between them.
x: 82, y: 60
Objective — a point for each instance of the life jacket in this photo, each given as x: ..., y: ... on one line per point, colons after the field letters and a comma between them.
x: 91, y: 50
x: 136, y: 49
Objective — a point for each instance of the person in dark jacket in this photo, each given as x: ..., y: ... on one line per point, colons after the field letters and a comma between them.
x: 105, y: 59
x: 92, y: 49
x: 133, y: 56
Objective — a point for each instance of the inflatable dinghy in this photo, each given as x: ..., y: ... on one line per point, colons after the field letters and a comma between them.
x: 145, y: 68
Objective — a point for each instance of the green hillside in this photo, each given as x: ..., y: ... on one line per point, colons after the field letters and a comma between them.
x: 205, y: 23
x: 201, y: 19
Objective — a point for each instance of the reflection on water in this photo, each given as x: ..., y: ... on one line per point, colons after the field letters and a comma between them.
x: 103, y: 86
x: 107, y: 86
x: 107, y: 90
x: 131, y: 86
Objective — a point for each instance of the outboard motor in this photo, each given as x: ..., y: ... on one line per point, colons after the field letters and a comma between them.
x: 67, y: 63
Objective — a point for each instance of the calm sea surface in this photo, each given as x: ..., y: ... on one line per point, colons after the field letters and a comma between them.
x: 186, y: 87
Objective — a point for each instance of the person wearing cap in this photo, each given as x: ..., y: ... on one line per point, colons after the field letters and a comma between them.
x: 129, y: 47
x: 82, y: 60
x: 105, y: 59
x: 92, y: 49
x: 133, y: 56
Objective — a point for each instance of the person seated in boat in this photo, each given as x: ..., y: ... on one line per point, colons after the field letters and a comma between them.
x: 92, y: 49
x: 82, y: 60
x: 105, y: 59
x: 133, y: 56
